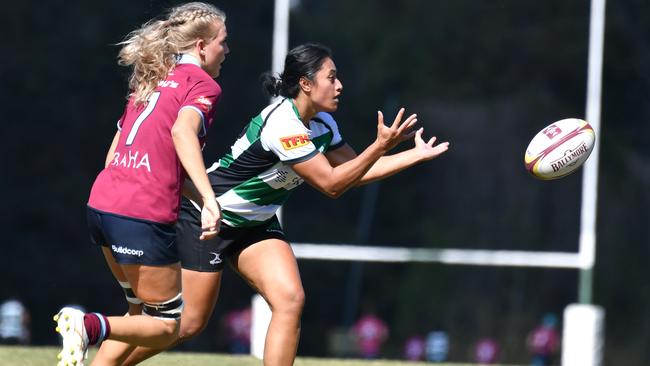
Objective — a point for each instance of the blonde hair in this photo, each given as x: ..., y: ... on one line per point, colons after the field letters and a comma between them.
x: 152, y: 49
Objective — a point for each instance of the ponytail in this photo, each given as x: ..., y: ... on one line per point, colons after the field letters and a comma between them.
x: 151, y: 55
x: 302, y: 61
x: 152, y: 49
x: 271, y: 84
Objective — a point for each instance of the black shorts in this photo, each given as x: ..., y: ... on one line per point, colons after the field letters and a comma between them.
x: 133, y: 241
x: 210, y: 255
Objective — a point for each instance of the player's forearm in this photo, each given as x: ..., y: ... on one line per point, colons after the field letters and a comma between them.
x: 189, y: 152
x: 389, y: 165
x: 348, y: 174
x: 190, y: 191
x: 111, y: 150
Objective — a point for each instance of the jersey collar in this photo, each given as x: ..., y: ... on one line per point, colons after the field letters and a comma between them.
x: 295, y: 110
x: 293, y: 106
x: 186, y: 58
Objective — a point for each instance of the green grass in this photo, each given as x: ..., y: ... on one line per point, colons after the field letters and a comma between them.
x: 46, y: 356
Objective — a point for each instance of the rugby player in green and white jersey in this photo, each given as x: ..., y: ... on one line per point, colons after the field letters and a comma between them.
x: 293, y: 140
x: 256, y: 178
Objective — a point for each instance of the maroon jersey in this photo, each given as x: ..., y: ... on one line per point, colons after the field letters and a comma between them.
x: 145, y: 177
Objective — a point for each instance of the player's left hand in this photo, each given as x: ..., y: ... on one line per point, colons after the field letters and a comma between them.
x: 426, y: 150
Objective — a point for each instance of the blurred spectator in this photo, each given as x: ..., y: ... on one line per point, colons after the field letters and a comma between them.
x: 237, y: 324
x: 414, y: 348
x: 486, y: 351
x: 14, y: 323
x: 370, y: 333
x: 543, y: 341
x: 341, y: 342
x: 437, y: 347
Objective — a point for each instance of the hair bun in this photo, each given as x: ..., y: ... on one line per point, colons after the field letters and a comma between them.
x: 271, y: 84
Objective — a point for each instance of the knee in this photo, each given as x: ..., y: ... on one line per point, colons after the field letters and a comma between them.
x: 171, y: 330
x: 190, y: 327
x: 298, y: 299
x: 167, y: 334
x: 290, y: 300
x: 169, y: 314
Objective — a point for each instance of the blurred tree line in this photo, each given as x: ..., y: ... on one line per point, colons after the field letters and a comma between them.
x: 484, y: 75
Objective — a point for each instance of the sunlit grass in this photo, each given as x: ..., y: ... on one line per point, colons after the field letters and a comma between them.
x: 46, y: 356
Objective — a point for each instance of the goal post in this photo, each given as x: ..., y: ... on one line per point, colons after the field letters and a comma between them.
x: 587, y: 239
x: 583, y: 322
x: 397, y: 254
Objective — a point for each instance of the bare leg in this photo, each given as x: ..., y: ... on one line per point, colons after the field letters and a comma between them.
x: 200, y: 293
x: 270, y: 267
x: 153, y: 284
x: 114, y: 352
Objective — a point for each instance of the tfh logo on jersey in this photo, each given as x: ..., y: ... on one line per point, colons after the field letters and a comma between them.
x: 552, y: 131
x: 204, y: 103
x: 295, y: 141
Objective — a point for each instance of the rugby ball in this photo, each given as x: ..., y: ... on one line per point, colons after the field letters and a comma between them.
x: 559, y: 149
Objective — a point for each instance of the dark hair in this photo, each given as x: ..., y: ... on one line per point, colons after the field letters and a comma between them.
x: 302, y: 61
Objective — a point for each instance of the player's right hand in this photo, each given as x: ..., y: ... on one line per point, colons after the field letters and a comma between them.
x: 389, y: 136
x: 210, y: 219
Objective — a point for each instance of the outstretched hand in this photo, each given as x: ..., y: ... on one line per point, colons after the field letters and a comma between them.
x: 426, y: 150
x: 389, y: 136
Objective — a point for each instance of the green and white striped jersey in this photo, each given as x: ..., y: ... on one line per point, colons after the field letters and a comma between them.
x: 255, y: 178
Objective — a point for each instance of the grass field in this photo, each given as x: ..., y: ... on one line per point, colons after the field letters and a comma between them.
x: 46, y: 356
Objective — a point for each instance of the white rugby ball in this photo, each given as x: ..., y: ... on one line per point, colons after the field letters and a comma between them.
x: 559, y: 149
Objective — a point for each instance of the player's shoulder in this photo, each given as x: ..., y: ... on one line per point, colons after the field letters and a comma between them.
x: 281, y: 115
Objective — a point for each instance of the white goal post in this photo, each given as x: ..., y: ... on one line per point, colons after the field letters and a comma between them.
x: 583, y: 260
x: 447, y: 256
x: 588, y: 318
